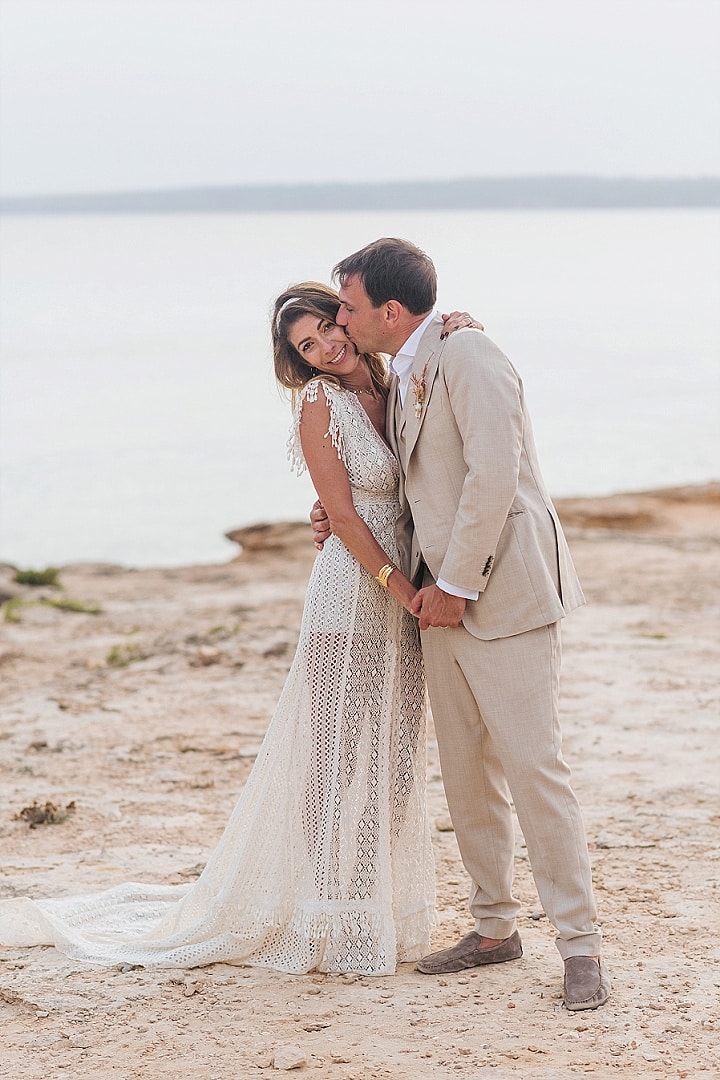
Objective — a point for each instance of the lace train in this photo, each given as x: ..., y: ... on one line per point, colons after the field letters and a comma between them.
x: 325, y: 863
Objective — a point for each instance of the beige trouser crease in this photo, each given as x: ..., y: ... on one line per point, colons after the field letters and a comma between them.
x: 494, y: 704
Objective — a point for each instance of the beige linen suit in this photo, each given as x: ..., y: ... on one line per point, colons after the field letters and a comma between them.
x: 476, y: 513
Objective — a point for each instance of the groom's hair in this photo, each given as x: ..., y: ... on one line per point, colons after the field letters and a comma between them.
x: 391, y: 269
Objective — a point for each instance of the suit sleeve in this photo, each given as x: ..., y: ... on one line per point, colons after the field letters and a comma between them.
x: 485, y: 397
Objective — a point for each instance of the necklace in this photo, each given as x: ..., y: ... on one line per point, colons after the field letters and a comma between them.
x: 357, y: 390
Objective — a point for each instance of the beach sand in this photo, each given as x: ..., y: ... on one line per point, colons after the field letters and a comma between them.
x: 147, y: 717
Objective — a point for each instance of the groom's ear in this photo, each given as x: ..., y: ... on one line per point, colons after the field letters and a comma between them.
x: 393, y: 312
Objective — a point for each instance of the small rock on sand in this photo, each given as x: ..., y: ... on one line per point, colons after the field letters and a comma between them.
x: 289, y: 1057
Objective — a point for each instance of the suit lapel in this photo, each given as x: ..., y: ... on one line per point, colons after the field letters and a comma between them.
x: 392, y: 416
x: 424, y: 371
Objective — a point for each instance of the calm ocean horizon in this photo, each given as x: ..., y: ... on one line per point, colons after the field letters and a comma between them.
x: 139, y: 419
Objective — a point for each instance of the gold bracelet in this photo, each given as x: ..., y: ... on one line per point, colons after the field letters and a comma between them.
x: 384, y: 573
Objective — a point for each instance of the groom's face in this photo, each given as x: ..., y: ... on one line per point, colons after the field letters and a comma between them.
x: 364, y: 324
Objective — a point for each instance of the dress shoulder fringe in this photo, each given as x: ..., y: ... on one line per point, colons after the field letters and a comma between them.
x: 334, y: 398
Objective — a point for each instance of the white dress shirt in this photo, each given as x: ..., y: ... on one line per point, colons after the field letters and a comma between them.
x: 401, y: 365
x: 403, y: 360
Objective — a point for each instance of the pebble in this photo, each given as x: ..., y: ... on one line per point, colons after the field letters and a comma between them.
x: 80, y: 1042
x: 289, y: 1057
x: 207, y: 655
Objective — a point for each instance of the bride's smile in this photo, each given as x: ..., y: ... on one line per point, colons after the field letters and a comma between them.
x: 324, y: 345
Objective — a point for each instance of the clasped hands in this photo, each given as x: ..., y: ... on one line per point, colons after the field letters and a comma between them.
x: 430, y: 605
x: 433, y: 607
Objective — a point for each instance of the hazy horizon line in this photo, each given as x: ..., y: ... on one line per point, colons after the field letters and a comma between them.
x: 541, y: 191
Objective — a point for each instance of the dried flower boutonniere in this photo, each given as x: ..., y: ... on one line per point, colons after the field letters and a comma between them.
x: 419, y: 391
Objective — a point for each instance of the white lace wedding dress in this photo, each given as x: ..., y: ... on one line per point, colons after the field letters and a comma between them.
x: 325, y: 863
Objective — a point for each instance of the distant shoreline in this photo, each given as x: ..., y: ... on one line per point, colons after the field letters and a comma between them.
x: 487, y: 193
x: 685, y: 510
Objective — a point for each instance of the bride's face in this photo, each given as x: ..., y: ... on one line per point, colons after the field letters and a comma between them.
x: 323, y: 345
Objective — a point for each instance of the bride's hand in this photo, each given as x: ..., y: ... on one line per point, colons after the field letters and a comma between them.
x: 320, y: 524
x: 459, y: 320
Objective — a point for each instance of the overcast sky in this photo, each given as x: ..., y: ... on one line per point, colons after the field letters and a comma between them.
x: 108, y: 95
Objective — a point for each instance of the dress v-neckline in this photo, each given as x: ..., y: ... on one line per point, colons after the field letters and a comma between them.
x: 380, y: 438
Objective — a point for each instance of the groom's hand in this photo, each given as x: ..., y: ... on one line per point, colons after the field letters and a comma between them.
x: 433, y: 607
x: 320, y: 524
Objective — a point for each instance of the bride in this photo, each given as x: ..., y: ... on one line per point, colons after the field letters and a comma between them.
x: 325, y: 863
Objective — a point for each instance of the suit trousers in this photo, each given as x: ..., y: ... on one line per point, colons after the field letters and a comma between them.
x: 495, y: 707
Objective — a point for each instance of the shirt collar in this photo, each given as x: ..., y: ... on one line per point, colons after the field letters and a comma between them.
x: 410, y: 348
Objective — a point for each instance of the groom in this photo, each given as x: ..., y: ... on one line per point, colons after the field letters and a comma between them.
x: 479, y: 525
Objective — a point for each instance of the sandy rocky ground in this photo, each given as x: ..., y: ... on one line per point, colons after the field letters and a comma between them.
x: 147, y: 717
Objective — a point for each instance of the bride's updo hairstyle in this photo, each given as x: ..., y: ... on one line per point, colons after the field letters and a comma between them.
x: 310, y: 298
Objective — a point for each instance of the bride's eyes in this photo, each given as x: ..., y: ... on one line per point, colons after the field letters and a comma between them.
x: 326, y: 328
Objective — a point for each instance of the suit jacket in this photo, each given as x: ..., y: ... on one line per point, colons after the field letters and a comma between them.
x: 474, y: 505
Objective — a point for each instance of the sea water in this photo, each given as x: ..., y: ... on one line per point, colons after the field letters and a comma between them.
x: 139, y: 419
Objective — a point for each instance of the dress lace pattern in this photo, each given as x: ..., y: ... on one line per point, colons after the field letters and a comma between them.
x: 325, y: 863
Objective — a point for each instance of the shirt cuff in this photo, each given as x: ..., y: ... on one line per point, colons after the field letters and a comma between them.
x: 455, y: 590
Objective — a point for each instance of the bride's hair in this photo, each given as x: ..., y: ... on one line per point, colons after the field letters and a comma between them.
x: 310, y: 298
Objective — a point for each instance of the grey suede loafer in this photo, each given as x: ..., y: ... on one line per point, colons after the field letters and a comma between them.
x: 586, y: 984
x: 468, y: 954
